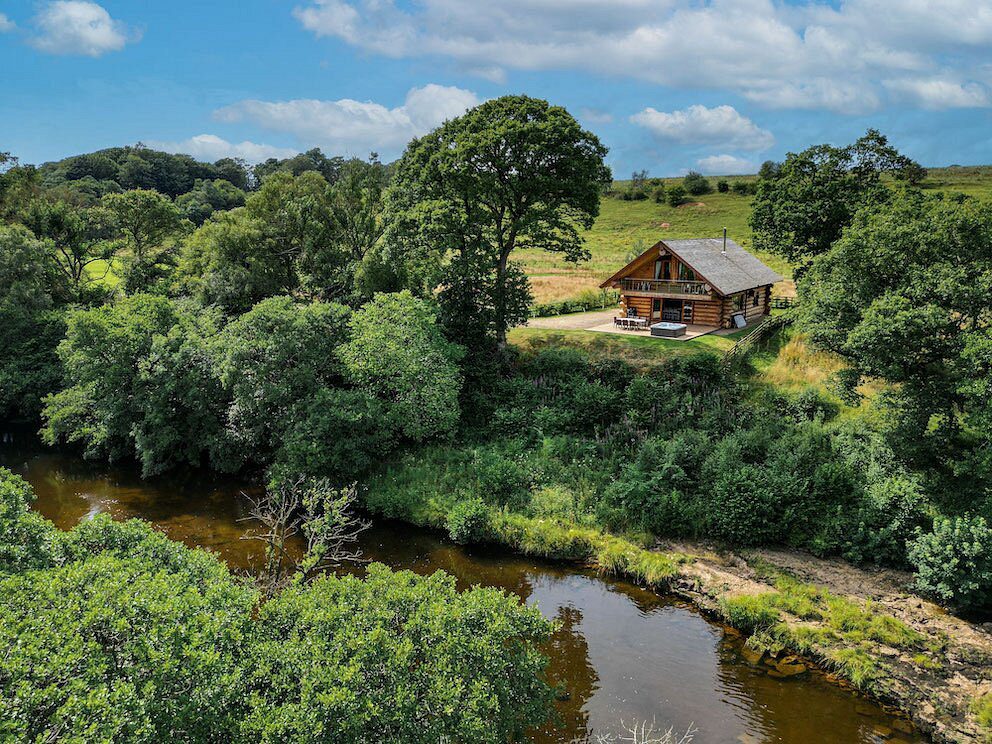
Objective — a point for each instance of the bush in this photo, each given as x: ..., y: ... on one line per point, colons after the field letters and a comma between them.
x: 503, y: 481
x: 25, y: 537
x: 468, y: 521
x: 742, y: 188
x: 696, y: 184
x: 396, y: 657
x: 722, y: 186
x: 676, y: 196
x: 659, y: 194
x: 954, y: 562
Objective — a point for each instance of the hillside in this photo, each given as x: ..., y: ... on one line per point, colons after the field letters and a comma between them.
x: 625, y: 228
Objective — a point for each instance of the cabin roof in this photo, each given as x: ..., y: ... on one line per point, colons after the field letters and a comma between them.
x: 730, y: 272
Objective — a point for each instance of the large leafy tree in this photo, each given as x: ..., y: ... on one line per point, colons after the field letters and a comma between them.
x: 147, y: 224
x: 804, y: 204
x: 903, y: 297
x: 396, y: 352
x: 511, y: 173
x: 80, y: 239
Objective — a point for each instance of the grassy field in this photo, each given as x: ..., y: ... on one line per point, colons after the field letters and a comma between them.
x: 626, y: 228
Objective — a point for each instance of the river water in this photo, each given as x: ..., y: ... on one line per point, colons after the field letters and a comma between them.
x: 623, y: 654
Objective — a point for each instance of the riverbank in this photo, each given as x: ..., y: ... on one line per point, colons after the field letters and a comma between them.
x: 861, y: 626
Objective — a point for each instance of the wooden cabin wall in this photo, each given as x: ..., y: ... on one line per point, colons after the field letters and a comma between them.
x: 704, y: 312
x: 751, y: 311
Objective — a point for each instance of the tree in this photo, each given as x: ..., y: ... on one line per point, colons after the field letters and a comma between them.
x: 273, y: 360
x: 676, y: 195
x: 141, y: 381
x: 324, y: 517
x: 722, y: 186
x: 80, y: 240
x: 159, y: 660
x: 207, y: 197
x: 396, y: 657
x: 696, y: 183
x: 512, y: 172
x: 769, y: 170
x: 311, y: 161
x: 902, y: 297
x: 396, y: 352
x: 802, y: 210
x: 147, y: 223
x: 358, y: 209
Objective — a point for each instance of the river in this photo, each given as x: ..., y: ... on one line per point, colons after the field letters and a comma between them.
x: 622, y: 653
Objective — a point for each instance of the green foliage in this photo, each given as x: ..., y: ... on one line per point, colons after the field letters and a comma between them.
x: 396, y: 353
x: 512, y: 172
x: 803, y: 204
x: 897, y: 297
x: 346, y: 659
x: 468, y: 521
x: 981, y: 708
x: 273, y: 360
x: 954, y: 562
x: 25, y: 538
x: 207, y: 197
x: 147, y: 224
x: 696, y: 184
x: 676, y: 196
x: 722, y: 186
x: 749, y: 612
x: 111, y: 649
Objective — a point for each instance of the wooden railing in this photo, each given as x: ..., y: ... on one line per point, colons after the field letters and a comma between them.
x: 762, y: 333
x: 683, y: 287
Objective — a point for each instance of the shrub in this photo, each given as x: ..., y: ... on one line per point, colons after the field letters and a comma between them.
x: 348, y: 659
x: 676, y: 196
x: 954, y: 562
x: 659, y: 194
x: 696, y: 184
x: 722, y: 186
x: 25, y: 537
x: 468, y: 521
x: 503, y: 481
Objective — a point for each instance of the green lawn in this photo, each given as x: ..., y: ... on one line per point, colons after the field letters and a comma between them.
x: 640, y: 351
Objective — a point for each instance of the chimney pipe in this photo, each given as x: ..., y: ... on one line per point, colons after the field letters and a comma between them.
x: 724, y: 241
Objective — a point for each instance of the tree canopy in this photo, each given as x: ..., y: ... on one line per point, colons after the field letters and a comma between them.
x: 512, y: 172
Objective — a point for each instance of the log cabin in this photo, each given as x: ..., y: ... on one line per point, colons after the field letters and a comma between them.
x: 697, y: 281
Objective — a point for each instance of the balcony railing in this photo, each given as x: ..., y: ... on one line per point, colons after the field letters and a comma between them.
x: 679, y: 287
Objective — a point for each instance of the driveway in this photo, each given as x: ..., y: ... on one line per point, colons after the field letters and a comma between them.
x: 575, y: 321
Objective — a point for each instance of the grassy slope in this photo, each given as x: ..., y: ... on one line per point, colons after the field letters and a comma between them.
x: 625, y: 228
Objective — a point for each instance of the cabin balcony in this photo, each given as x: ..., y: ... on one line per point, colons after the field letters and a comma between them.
x: 666, y: 287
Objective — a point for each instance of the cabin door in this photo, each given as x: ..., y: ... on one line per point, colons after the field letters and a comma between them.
x: 671, y: 311
x: 655, y: 310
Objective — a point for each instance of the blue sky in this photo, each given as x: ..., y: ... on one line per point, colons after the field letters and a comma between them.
x: 669, y: 85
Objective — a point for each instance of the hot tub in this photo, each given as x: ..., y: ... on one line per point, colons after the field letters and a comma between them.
x: 670, y: 330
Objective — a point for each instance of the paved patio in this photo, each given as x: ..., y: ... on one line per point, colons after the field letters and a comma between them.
x: 602, y: 322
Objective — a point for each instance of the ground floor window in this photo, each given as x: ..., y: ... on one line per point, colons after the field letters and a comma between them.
x: 739, y: 302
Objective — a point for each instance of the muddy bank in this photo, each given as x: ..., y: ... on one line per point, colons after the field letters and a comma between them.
x: 934, y: 684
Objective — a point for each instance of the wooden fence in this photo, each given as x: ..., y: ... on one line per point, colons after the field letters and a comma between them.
x: 762, y: 333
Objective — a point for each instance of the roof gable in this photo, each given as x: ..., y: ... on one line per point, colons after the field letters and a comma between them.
x: 727, y: 272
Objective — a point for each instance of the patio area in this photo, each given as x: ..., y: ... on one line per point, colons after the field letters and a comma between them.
x: 601, y: 321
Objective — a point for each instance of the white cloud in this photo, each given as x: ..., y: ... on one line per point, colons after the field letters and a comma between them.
x: 721, y: 126
x: 726, y: 165
x: 6, y: 24
x: 940, y: 93
x: 79, y: 27
x: 595, y: 116
x: 810, y: 55
x: 355, y: 127
x: 210, y: 147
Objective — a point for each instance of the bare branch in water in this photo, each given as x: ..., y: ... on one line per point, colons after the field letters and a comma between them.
x: 640, y: 733
x: 323, y: 515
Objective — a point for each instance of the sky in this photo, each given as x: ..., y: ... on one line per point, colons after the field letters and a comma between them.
x: 668, y: 85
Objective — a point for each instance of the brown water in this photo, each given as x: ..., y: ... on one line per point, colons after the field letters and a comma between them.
x: 622, y: 653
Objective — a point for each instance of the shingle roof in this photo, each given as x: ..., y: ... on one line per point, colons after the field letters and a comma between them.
x: 733, y: 271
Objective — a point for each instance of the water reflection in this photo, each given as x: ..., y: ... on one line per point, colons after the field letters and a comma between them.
x: 622, y: 653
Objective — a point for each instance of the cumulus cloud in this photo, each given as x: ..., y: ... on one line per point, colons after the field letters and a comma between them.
x: 940, y: 93
x: 807, y: 55
x: 355, y: 127
x: 595, y: 116
x: 721, y: 126
x: 210, y: 147
x: 79, y: 27
x: 6, y: 24
x: 726, y: 165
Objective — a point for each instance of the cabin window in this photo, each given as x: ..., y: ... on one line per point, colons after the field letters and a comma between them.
x: 657, y: 269
x: 656, y: 306
x: 686, y: 274
x: 662, y: 269
x: 687, y: 312
x: 739, y: 302
x: 754, y: 297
